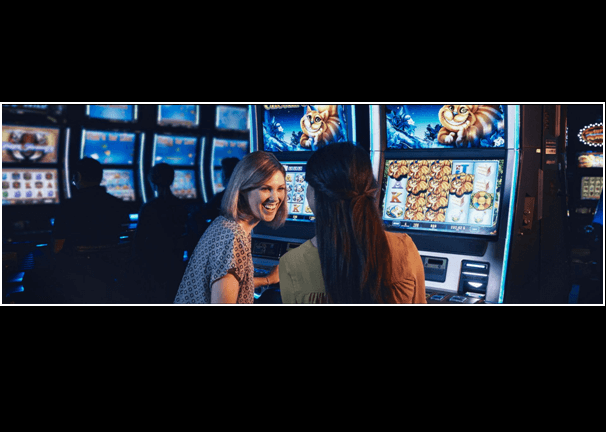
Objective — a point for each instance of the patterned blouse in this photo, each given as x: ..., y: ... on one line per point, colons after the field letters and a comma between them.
x: 224, y: 248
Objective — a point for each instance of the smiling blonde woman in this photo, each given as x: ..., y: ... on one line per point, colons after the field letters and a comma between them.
x: 221, y: 267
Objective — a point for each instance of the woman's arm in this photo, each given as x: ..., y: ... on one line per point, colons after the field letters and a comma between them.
x: 225, y: 290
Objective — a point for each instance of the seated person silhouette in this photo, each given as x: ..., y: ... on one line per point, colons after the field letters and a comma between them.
x: 159, y: 241
x: 92, y: 217
x: 86, y: 237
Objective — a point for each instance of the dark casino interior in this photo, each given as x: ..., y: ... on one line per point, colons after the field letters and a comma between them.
x: 519, y: 223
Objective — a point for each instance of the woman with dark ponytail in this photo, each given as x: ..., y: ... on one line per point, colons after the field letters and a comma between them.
x: 352, y: 259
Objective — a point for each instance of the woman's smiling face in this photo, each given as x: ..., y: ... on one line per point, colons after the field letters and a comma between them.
x: 265, y: 200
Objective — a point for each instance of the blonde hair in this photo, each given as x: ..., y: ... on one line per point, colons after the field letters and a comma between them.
x: 252, y: 172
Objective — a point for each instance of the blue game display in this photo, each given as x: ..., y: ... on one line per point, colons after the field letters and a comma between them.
x: 444, y: 126
x: 126, y: 113
x: 443, y: 195
x: 175, y: 150
x: 184, y: 185
x: 119, y: 183
x: 178, y: 115
x: 225, y: 148
x: 305, y: 127
x: 232, y: 118
x: 109, y: 148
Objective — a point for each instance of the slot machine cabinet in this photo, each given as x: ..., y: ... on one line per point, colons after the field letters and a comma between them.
x: 33, y: 177
x: 452, y: 196
x: 113, y: 134
x: 33, y: 185
x: 183, y: 153
x: 468, y: 261
x: 585, y: 169
x: 539, y: 260
x: 230, y: 138
x: 277, y: 129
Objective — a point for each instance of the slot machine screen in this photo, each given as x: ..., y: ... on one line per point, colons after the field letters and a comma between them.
x: 23, y: 186
x: 119, y: 183
x: 444, y: 126
x: 175, y: 150
x: 109, y: 148
x: 179, y: 115
x: 305, y: 127
x: 184, y: 185
x: 444, y: 195
x: 224, y: 148
x: 590, y: 160
x: 125, y: 113
x: 24, y: 144
x: 591, y: 187
x: 232, y: 118
x: 296, y: 191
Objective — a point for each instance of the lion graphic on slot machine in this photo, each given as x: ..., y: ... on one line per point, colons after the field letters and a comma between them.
x: 466, y: 125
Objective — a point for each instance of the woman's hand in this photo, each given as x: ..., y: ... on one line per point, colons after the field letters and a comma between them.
x: 272, y: 278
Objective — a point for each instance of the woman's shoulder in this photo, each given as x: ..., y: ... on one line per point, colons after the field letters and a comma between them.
x: 300, y: 257
x: 223, y: 231
x: 399, y: 238
x: 222, y: 224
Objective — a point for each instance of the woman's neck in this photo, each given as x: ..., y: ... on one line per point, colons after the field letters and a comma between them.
x: 248, y: 225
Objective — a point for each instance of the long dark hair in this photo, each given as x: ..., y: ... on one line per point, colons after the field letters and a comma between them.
x: 354, y: 252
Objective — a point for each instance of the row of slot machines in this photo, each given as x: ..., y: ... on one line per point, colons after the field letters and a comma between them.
x: 41, y: 142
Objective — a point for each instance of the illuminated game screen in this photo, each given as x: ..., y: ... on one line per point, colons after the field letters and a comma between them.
x: 590, y: 160
x: 109, y: 148
x: 223, y: 148
x: 175, y: 150
x: 232, y: 118
x: 296, y: 191
x: 119, y: 183
x: 178, y: 115
x: 591, y: 188
x: 126, y: 113
x: 30, y: 186
x: 184, y: 185
x: 23, y: 144
x: 305, y: 127
x: 445, y: 126
x: 451, y: 196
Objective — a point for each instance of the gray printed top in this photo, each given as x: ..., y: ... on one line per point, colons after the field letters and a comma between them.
x: 224, y: 248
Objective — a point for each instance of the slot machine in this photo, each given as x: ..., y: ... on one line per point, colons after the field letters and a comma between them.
x: 33, y: 185
x: 467, y: 184
x: 178, y: 145
x: 110, y: 135
x: 34, y: 140
x: 585, y: 188
x: 450, y: 190
x: 585, y: 166
x: 278, y: 129
x: 231, y: 139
